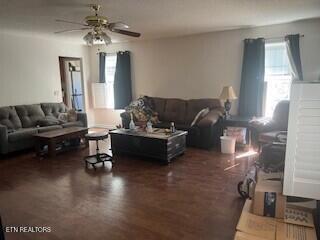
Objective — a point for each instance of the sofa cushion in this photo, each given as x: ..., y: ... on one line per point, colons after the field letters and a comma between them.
x: 29, y: 114
x: 53, y: 109
x: 72, y: 124
x: 9, y: 118
x: 175, y: 110
x: 48, y: 121
x: 49, y: 128
x: 158, y: 105
x: 196, y: 105
x: 22, y: 134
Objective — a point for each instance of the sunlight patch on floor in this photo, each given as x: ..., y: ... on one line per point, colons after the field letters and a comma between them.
x: 250, y: 153
x: 228, y: 168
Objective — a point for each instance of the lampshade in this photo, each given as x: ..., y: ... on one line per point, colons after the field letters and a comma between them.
x: 228, y: 93
x: 88, y: 38
x: 105, y: 38
x: 91, y: 37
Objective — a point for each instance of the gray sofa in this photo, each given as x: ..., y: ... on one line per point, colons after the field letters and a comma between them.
x: 19, y: 123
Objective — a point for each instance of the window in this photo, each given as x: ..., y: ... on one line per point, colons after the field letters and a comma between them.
x: 277, y: 76
x: 111, y: 61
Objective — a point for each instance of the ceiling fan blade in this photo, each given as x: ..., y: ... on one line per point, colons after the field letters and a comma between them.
x: 72, y: 30
x: 65, y: 21
x: 120, y: 25
x: 124, y: 32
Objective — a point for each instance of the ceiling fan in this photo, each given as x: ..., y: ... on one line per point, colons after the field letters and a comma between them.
x: 98, y: 25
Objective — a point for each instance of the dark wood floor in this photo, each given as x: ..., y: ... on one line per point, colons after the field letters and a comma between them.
x: 195, y: 197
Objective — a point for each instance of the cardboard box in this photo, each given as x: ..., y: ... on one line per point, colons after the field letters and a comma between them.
x: 247, y: 207
x: 297, y: 225
x: 307, y: 204
x: 298, y: 216
x: 268, y: 199
x: 257, y: 226
x: 286, y: 231
x: 245, y: 236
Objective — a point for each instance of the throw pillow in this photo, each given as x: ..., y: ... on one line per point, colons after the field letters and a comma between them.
x: 63, y: 118
x: 199, y: 116
x: 47, y: 121
x: 72, y: 115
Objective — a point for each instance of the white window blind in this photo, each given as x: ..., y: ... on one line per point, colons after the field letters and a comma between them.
x: 302, y: 164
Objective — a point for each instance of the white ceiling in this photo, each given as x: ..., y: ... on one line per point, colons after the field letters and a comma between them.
x: 154, y: 18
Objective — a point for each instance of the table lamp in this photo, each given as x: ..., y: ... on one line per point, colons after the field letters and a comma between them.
x: 227, y: 94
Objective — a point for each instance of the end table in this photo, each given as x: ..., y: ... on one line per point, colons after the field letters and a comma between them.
x: 238, y: 121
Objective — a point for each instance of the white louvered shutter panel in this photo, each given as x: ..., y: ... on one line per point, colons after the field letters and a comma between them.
x: 302, y: 164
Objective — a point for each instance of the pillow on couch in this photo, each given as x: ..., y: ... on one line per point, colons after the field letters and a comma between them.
x: 63, y: 117
x: 72, y: 115
x: 48, y: 121
x: 199, y: 116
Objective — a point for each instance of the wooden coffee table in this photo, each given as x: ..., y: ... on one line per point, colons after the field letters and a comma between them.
x: 52, y: 138
x: 159, y: 144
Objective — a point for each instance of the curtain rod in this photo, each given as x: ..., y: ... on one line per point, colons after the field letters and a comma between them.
x: 107, y: 53
x: 274, y: 38
x: 112, y: 53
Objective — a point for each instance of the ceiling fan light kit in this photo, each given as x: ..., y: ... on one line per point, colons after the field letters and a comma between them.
x: 99, y: 25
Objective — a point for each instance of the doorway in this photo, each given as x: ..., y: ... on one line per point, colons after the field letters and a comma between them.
x: 72, y: 83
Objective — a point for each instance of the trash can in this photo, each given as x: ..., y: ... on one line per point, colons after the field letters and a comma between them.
x: 228, y: 144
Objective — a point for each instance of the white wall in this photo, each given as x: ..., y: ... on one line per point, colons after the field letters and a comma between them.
x: 198, y: 66
x: 29, y: 68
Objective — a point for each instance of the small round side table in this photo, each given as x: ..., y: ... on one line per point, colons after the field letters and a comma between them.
x: 98, y: 157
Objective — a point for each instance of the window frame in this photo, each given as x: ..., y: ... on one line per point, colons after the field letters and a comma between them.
x: 110, y: 84
x: 269, y: 76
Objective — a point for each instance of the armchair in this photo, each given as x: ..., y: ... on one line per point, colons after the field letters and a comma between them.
x: 267, y: 130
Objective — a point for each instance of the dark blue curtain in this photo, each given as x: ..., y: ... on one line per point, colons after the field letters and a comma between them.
x: 252, y: 78
x: 102, y: 67
x: 122, y: 81
x: 293, y: 49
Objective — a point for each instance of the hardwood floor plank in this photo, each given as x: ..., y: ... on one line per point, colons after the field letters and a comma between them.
x: 192, y: 198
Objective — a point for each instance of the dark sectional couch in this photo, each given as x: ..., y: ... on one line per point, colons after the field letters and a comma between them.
x: 204, y: 134
x: 19, y: 123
